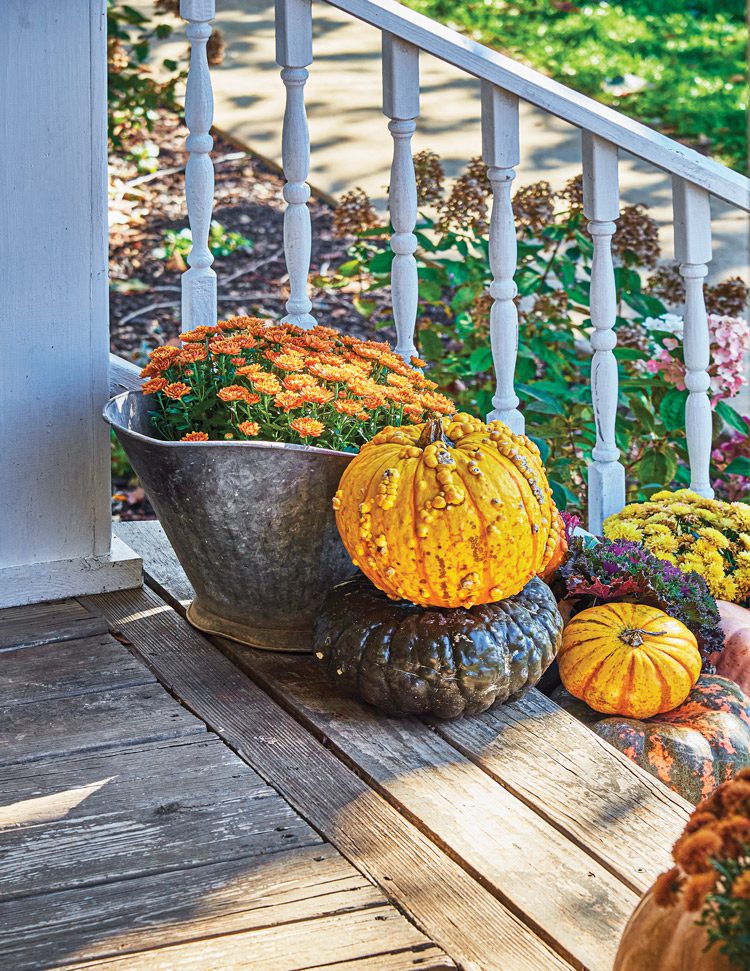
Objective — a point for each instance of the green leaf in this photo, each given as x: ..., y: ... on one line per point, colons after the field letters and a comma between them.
x: 480, y: 359
x: 731, y: 417
x: 349, y: 268
x: 657, y: 468
x: 381, y: 262
x: 562, y: 495
x: 672, y: 409
x: 430, y: 345
x: 642, y: 412
x: 739, y: 466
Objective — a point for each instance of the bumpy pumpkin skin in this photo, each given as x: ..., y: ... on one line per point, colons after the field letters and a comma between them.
x: 406, y: 659
x: 465, y: 519
x: 628, y: 659
x: 666, y: 939
x: 694, y: 748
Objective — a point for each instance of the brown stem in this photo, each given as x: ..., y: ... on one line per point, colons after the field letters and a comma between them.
x: 635, y: 636
x: 433, y: 432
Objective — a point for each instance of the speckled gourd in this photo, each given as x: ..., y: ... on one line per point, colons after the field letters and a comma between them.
x: 448, y: 514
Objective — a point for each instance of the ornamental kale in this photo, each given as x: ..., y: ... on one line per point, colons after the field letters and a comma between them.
x: 621, y: 570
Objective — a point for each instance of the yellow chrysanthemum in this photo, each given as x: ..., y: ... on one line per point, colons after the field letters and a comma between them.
x: 625, y: 530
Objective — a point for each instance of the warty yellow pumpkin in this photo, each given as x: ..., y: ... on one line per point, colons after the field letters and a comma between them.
x: 628, y: 659
x: 452, y: 513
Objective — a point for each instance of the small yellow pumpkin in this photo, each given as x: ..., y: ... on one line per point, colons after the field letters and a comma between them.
x: 628, y: 659
x: 448, y: 514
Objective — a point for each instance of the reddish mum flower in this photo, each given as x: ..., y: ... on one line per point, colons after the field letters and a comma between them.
x: 288, y: 400
x: 154, y: 385
x: 236, y: 392
x: 195, y: 437
x: 249, y: 428
x: 178, y: 389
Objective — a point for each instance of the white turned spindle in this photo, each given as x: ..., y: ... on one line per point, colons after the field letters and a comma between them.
x: 501, y: 153
x: 293, y: 54
x: 601, y: 206
x: 199, y: 282
x: 692, y: 246
x: 401, y: 105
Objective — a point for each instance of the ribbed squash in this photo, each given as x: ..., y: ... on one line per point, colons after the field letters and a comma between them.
x: 628, y: 659
x: 704, y: 742
x: 448, y: 514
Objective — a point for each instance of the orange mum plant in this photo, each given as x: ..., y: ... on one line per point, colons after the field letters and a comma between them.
x: 247, y: 378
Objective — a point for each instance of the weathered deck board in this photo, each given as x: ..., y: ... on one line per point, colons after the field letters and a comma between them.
x: 379, y: 934
x: 500, y: 839
x: 452, y: 907
x: 45, y: 623
x: 129, y: 812
x: 73, y: 667
x: 598, y: 798
x: 174, y: 850
x: 219, y: 898
x: 43, y: 729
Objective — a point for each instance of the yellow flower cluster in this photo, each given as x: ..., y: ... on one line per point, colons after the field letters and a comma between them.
x: 706, y: 536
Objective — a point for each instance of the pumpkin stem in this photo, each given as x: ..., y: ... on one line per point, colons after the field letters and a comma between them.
x: 635, y: 636
x: 433, y: 432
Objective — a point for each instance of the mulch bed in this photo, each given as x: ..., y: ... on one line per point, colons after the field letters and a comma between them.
x: 145, y: 289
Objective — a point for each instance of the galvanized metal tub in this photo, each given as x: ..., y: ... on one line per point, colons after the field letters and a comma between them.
x: 251, y: 523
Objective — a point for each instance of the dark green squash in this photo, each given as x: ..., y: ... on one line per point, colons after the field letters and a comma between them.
x: 446, y: 662
x: 703, y: 742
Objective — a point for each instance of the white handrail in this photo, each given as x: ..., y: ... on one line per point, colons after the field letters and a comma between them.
x: 551, y: 96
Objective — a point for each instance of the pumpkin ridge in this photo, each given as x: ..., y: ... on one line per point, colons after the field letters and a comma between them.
x: 418, y: 556
x: 628, y: 680
x: 522, y: 487
x: 508, y: 466
x: 678, y: 659
x: 480, y: 520
x: 368, y: 497
x: 665, y: 692
x: 595, y: 670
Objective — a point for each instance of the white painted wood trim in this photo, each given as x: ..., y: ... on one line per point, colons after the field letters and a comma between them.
x: 123, y: 375
x: 551, y: 96
x: 601, y: 206
x: 55, y: 466
x: 199, y: 302
x: 294, y: 53
x: 692, y: 243
x: 119, y: 569
x: 501, y: 153
x: 401, y: 105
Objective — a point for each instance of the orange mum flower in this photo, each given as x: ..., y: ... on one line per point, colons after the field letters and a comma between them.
x: 178, y: 389
x: 199, y: 333
x: 154, y: 385
x: 432, y: 401
x: 235, y: 392
x: 238, y: 361
x: 371, y: 349
x: 192, y: 354
x: 299, y: 382
x: 317, y: 396
x: 286, y: 361
x: 418, y: 362
x: 265, y: 383
x: 741, y: 886
x: 249, y: 369
x: 346, y: 406
x: 229, y: 346
x: 308, y: 427
x: 249, y: 428
x: 330, y: 372
x: 195, y: 437
x: 288, y: 400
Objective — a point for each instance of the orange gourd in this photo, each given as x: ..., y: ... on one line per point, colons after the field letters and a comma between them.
x: 448, y: 514
x: 628, y: 659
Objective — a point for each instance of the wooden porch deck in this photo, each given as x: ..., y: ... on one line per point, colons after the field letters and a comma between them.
x: 170, y: 801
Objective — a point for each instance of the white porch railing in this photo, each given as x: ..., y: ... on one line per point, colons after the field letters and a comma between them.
x: 504, y: 81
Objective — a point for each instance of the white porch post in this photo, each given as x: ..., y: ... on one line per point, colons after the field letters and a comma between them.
x: 55, y: 525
